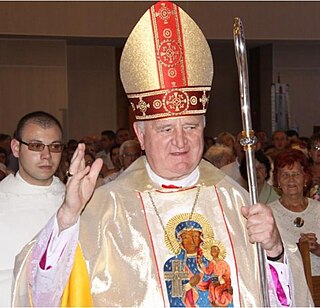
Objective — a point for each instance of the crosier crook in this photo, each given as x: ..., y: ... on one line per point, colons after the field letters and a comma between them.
x: 248, y: 139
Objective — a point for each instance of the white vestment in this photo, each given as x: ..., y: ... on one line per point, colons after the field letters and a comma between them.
x: 24, y: 210
x: 131, y: 259
x: 233, y: 171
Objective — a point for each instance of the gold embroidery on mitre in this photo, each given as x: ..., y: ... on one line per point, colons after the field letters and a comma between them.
x: 157, y: 104
x: 164, y: 91
x: 143, y: 106
x: 164, y: 103
x: 173, y: 243
x: 166, y: 50
x: 204, y: 100
x: 164, y: 13
x: 176, y: 101
x: 193, y: 100
x: 170, y: 53
x: 172, y: 73
x: 167, y: 33
x: 133, y: 106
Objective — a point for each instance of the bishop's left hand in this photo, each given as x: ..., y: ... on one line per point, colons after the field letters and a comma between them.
x: 262, y: 228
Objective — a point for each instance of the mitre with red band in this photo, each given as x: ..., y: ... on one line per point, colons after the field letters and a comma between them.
x: 166, y: 66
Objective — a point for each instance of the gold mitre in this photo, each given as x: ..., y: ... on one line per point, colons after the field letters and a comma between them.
x: 166, y: 66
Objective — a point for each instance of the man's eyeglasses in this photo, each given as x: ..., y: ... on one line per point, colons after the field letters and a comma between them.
x: 54, y: 147
x: 316, y: 147
x: 131, y: 155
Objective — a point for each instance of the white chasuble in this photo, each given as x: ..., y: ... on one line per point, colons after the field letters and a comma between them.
x: 203, y: 216
x: 24, y: 211
x: 149, y: 246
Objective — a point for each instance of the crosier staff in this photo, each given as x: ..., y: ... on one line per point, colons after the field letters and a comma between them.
x: 248, y: 139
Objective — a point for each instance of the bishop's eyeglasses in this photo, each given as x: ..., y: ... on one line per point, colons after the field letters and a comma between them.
x: 54, y: 147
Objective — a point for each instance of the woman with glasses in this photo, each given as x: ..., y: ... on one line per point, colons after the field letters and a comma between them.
x: 296, y: 215
x: 266, y: 193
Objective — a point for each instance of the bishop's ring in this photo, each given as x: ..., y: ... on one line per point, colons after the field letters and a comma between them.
x: 69, y: 174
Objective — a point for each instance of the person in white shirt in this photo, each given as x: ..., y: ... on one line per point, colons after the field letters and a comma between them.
x: 107, y: 140
x: 130, y: 150
x: 232, y: 169
x: 31, y: 196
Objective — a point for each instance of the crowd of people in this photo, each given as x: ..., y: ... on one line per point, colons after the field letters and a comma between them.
x: 226, y: 153
x: 297, y: 202
x: 162, y: 218
x: 287, y: 172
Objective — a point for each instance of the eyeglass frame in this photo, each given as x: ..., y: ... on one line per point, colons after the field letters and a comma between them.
x: 316, y: 147
x: 286, y: 176
x: 136, y: 155
x: 43, y: 146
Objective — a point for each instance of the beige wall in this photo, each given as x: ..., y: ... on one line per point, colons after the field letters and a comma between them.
x: 91, y: 90
x: 75, y: 83
x: 299, y: 66
x: 266, y: 20
x: 33, y: 76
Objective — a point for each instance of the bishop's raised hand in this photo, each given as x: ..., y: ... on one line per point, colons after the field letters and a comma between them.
x: 79, y: 188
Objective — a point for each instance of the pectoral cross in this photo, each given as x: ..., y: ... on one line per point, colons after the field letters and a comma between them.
x: 176, y: 276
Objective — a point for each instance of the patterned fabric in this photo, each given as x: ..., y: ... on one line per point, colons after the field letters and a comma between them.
x: 126, y: 249
x: 166, y: 66
x: 24, y: 210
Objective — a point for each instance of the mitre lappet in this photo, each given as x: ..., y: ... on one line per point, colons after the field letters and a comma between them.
x: 166, y: 66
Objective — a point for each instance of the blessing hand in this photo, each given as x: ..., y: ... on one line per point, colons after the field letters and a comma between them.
x: 79, y: 188
x: 262, y: 228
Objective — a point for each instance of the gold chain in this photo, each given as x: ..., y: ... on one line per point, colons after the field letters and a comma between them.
x: 160, y: 220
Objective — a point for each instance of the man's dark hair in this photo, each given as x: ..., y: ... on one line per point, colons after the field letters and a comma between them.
x: 114, y: 147
x: 3, y: 151
x: 109, y: 133
x: 120, y: 129
x: 41, y: 118
x: 261, y: 158
x: 291, y: 133
x: 4, y: 137
x: 72, y: 144
x: 313, y: 139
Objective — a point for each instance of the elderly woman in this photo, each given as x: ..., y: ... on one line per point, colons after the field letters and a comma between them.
x: 219, y: 155
x: 314, y: 153
x: 297, y: 216
x: 226, y: 139
x: 266, y: 193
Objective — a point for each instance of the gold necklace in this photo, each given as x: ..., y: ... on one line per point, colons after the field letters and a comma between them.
x: 161, y: 222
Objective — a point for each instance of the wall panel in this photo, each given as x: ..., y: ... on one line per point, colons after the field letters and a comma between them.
x: 32, y: 77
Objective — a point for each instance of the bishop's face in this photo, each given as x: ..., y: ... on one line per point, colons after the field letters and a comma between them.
x: 173, y: 146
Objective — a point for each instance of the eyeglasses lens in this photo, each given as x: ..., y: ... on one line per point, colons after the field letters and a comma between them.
x: 39, y: 147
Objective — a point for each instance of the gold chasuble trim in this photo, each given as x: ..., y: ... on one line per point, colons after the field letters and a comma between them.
x: 78, y: 289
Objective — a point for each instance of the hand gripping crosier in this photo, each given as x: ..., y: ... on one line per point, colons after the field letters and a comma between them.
x: 248, y: 139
